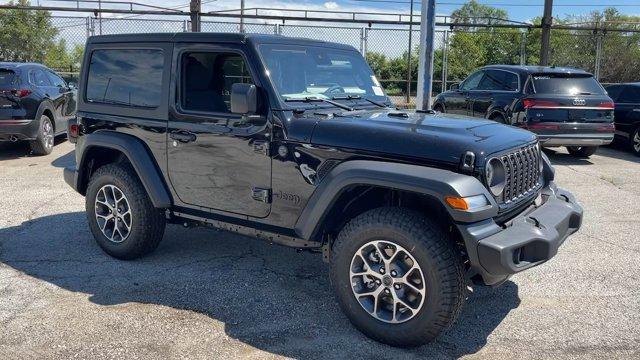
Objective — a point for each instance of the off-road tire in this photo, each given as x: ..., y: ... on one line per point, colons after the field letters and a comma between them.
x: 41, y: 146
x: 147, y: 223
x: 582, y: 151
x: 434, y: 252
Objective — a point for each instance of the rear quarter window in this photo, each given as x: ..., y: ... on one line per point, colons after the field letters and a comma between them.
x: 128, y: 77
x: 566, y: 84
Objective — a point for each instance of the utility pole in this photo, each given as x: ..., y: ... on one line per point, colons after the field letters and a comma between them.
x: 195, y: 8
x: 425, y: 66
x: 408, y: 97
x: 547, y: 20
x: 241, y: 16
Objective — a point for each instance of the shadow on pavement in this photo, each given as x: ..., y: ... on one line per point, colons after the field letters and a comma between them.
x: 564, y: 158
x: 20, y: 149
x: 269, y: 297
x: 65, y: 160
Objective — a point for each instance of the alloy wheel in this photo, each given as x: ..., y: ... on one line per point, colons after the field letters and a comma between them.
x: 387, y: 281
x: 113, y: 213
x: 636, y: 141
x: 47, y: 133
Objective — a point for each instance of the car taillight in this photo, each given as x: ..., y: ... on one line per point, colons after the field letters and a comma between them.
x: 606, y: 105
x: 543, y: 126
x: 21, y: 92
x: 609, y: 127
x: 534, y: 103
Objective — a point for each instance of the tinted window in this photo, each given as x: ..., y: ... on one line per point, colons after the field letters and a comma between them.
x: 566, y: 84
x: 472, y: 81
x: 630, y: 94
x: 499, y: 80
x: 125, y: 77
x: 55, y: 79
x: 614, y: 91
x: 38, y: 78
x: 7, y: 77
x: 207, y: 79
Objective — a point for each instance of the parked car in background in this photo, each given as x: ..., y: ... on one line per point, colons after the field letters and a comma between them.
x: 627, y: 113
x: 35, y: 105
x: 563, y: 106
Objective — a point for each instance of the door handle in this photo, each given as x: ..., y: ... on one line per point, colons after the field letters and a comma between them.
x: 183, y: 136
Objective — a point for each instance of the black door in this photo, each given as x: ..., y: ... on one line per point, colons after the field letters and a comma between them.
x: 216, y: 159
x: 495, y: 85
x: 62, y: 98
x: 460, y: 100
x: 627, y: 110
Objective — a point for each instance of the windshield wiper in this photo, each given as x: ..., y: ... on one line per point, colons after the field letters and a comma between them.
x: 310, y: 99
x: 357, y: 97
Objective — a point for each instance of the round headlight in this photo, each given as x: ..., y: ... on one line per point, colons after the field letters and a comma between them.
x: 495, y: 176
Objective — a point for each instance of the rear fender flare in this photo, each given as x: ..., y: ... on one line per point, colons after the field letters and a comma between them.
x: 139, y: 157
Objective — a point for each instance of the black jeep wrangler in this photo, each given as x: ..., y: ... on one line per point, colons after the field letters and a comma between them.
x: 294, y: 141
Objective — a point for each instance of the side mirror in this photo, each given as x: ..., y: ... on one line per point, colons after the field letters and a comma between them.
x: 72, y: 85
x: 244, y: 99
x: 454, y: 87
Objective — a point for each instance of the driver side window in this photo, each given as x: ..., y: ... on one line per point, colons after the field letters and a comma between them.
x: 206, y: 80
x: 472, y: 81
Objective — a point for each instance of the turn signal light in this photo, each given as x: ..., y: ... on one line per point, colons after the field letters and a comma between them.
x: 466, y: 203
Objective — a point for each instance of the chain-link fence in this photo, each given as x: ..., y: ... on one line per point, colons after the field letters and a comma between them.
x: 392, y: 51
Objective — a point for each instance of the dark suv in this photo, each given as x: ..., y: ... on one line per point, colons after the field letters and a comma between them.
x: 627, y: 113
x: 294, y: 141
x: 563, y: 106
x: 35, y: 105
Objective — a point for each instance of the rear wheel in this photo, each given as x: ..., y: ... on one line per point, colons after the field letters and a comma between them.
x: 634, y: 141
x: 582, y: 151
x: 498, y: 118
x: 397, y: 276
x: 121, y: 216
x: 438, y: 108
x: 43, y: 144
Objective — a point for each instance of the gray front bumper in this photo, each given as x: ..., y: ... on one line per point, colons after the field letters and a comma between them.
x: 528, y: 240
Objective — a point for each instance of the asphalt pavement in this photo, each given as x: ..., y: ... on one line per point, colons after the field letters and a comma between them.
x: 210, y: 294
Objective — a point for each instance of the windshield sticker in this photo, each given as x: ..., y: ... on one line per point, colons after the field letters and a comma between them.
x: 375, y: 80
x: 377, y: 90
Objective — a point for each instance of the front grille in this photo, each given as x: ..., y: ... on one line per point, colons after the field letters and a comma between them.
x: 522, y: 174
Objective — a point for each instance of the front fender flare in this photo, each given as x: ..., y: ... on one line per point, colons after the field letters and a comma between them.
x: 137, y: 154
x: 433, y: 182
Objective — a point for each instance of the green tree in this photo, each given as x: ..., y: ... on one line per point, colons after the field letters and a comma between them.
x: 471, y: 47
x: 25, y: 35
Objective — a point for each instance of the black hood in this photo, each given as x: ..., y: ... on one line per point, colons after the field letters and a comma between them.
x: 432, y: 137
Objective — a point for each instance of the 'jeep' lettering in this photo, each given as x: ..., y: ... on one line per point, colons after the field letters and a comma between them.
x: 287, y: 197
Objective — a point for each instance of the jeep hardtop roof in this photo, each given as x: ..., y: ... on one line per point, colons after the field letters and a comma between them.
x: 206, y: 37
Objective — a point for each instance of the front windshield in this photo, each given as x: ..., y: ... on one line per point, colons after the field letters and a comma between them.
x: 300, y: 72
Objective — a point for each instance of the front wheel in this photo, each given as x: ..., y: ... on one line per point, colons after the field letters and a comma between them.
x: 582, y: 151
x: 397, y: 277
x: 121, y: 216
